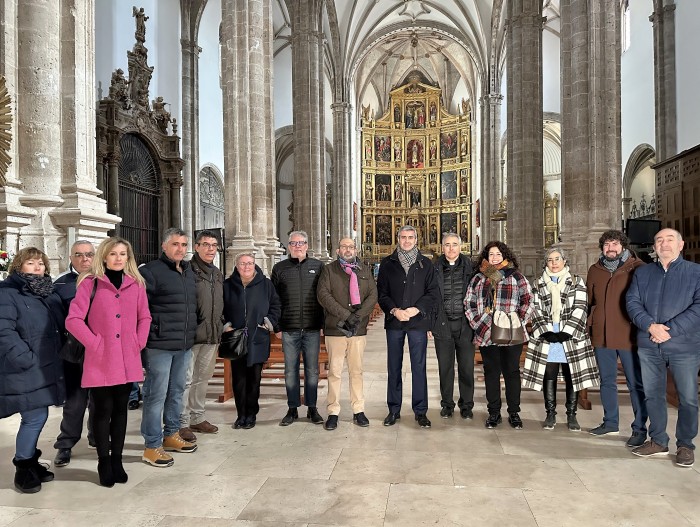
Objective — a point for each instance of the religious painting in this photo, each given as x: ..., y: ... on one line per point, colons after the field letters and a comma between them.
x: 383, y: 228
x: 414, y: 194
x: 415, y: 115
x: 448, y: 145
x: 382, y: 148
x: 448, y: 221
x: 477, y: 213
x: 448, y: 185
x: 382, y: 187
x: 414, y: 154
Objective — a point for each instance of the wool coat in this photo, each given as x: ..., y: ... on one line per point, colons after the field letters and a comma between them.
x: 117, y: 330
x: 248, y: 306
x: 31, y: 334
x: 334, y: 296
x: 608, y: 322
x: 512, y: 294
x: 578, y: 349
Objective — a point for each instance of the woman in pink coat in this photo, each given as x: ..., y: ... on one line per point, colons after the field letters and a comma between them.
x: 118, y: 321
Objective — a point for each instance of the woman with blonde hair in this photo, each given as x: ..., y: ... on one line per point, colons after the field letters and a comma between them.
x: 31, y: 325
x: 110, y: 317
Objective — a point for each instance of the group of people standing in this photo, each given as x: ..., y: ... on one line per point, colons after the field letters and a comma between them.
x: 167, y: 318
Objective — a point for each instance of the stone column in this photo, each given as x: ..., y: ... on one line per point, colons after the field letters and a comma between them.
x: 591, y: 159
x: 663, y: 20
x: 490, y: 106
x: 113, y: 183
x: 341, y: 190
x: 309, y: 144
x: 525, y: 187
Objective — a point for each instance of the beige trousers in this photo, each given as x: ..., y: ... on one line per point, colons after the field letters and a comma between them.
x: 340, y: 348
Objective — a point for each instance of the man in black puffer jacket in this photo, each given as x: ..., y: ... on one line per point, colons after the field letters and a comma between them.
x: 295, y: 280
x: 172, y: 299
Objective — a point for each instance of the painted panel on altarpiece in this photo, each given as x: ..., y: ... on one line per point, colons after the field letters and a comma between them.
x: 448, y: 185
x: 382, y: 187
x: 382, y: 148
x: 383, y: 228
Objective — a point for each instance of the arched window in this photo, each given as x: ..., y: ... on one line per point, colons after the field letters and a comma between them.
x: 211, y: 198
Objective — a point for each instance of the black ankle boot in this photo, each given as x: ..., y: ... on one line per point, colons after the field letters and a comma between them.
x: 26, y: 478
x: 571, y: 404
x: 550, y: 403
x: 118, y: 472
x: 104, y: 470
x: 44, y: 474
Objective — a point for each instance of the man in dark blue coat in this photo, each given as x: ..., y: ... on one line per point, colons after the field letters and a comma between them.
x: 408, y: 293
x: 663, y: 301
x: 172, y: 299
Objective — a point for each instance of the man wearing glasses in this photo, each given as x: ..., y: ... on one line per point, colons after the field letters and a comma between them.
x: 348, y: 294
x: 296, y: 280
x: 210, y: 308
x: 81, y: 255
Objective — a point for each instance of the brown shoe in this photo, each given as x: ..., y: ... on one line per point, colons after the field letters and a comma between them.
x: 175, y: 443
x: 157, y: 457
x: 205, y: 427
x: 685, y: 457
x: 650, y: 449
x: 187, y: 435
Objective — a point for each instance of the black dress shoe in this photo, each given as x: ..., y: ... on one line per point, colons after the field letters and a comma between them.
x: 493, y: 420
x: 515, y: 421
x: 291, y: 416
x: 313, y: 415
x: 248, y: 423
x: 134, y: 405
x: 466, y: 413
x: 446, y: 412
x: 238, y: 423
x: 360, y: 419
x: 391, y: 419
x: 423, y: 421
x: 62, y: 457
x: 331, y: 423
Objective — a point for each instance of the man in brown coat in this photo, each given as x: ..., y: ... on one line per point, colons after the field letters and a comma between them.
x: 613, y: 334
x: 347, y: 292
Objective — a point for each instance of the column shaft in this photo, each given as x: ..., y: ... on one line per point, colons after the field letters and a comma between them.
x: 664, y: 25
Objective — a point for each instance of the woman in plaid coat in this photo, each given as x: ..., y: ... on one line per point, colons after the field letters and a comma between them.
x: 559, y: 337
x: 498, y: 285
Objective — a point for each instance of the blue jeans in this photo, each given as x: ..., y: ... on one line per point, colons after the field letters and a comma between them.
x: 134, y: 394
x: 417, y: 348
x: 607, y: 366
x: 684, y: 367
x: 162, y: 393
x: 29, y: 430
x: 294, y: 345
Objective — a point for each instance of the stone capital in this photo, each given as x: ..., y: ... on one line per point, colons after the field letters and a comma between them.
x: 189, y: 45
x: 340, y: 107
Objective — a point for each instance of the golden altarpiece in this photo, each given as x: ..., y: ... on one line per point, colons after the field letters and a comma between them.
x: 416, y: 170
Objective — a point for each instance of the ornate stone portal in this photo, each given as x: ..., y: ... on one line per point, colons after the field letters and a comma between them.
x: 5, y: 130
x: 416, y: 170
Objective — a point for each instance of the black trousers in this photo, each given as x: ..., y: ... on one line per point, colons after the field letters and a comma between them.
x: 77, y: 400
x: 502, y: 360
x: 551, y: 373
x: 458, y: 345
x: 109, y: 416
x: 245, y: 381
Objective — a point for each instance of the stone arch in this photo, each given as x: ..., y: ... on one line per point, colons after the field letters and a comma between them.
x: 211, y: 197
x: 642, y: 156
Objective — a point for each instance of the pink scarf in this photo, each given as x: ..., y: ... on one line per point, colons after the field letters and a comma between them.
x: 354, y: 284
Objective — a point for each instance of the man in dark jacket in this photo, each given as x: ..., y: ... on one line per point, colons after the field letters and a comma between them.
x: 295, y: 280
x: 172, y: 299
x: 612, y: 333
x: 452, y: 333
x: 210, y: 308
x: 81, y: 254
x: 664, y: 303
x: 348, y: 293
x: 408, y: 293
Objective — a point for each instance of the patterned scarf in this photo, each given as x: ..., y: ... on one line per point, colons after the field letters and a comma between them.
x: 556, y: 282
x: 407, y: 258
x: 612, y: 265
x: 349, y: 267
x: 493, y: 274
x: 40, y: 285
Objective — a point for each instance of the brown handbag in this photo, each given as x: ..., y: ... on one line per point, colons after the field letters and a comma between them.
x: 506, y: 329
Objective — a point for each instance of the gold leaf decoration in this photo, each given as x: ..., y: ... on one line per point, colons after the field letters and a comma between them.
x: 5, y: 130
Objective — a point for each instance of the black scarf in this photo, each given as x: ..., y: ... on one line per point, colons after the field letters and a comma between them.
x: 40, y: 285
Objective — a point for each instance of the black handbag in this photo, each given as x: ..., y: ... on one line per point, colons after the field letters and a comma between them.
x: 234, y: 344
x: 72, y: 349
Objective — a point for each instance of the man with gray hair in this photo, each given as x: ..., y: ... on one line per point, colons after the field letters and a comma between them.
x: 408, y: 293
x: 172, y: 299
x: 296, y: 281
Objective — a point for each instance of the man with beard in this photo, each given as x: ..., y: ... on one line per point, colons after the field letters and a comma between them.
x: 347, y: 293
x: 612, y: 333
x: 408, y: 292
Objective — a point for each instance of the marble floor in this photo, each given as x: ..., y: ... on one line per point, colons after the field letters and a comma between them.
x: 456, y: 473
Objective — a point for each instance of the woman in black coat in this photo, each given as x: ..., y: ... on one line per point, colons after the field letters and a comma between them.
x: 31, y: 328
x: 250, y: 300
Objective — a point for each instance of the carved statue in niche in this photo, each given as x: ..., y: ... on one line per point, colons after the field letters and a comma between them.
x: 415, y: 196
x: 365, y: 113
x: 463, y: 145
x: 433, y: 112
x: 141, y: 18
x: 420, y: 119
x: 463, y: 186
x: 290, y: 208
x: 398, y: 191
x: 397, y: 113
x: 397, y: 151
x: 433, y: 189
x: 161, y: 117
x: 368, y: 150
x: 119, y: 89
x: 464, y: 233
x: 433, y: 149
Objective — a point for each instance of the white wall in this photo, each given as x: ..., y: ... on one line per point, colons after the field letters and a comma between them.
x: 211, y: 112
x: 637, y: 82
x: 282, y: 90
x: 551, y: 67
x: 687, y: 73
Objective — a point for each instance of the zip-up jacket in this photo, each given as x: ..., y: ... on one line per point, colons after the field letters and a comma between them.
x: 452, y: 282
x: 172, y: 300
x: 296, y: 283
x: 210, y: 301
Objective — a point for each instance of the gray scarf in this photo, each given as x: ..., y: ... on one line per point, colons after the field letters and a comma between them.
x: 407, y: 259
x: 40, y: 285
x: 612, y: 265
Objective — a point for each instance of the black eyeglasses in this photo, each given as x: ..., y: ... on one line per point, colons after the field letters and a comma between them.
x: 83, y: 255
x: 297, y: 244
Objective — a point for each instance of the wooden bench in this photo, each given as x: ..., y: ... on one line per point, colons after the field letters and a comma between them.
x: 276, y: 357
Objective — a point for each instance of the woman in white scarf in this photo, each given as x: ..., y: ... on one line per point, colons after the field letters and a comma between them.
x: 559, y: 338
